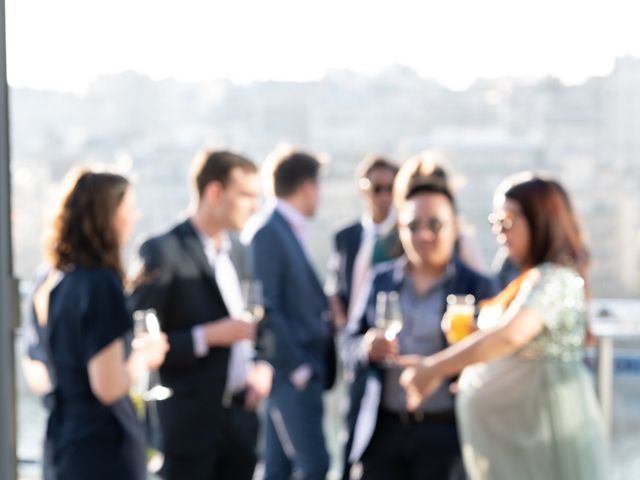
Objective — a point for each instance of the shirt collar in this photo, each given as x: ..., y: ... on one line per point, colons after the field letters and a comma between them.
x: 208, y: 244
x: 291, y: 214
x: 400, y: 268
x: 382, y: 228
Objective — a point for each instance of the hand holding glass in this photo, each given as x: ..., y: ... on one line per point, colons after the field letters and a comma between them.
x: 146, y: 326
x: 253, y: 301
x: 388, y: 315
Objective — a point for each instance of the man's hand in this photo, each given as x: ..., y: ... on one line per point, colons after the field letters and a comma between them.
x: 224, y: 333
x: 258, y: 384
x: 338, y: 315
x: 300, y: 377
x: 378, y: 348
x: 339, y: 320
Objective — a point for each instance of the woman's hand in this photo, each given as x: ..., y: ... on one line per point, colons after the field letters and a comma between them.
x: 420, y: 381
x: 153, y: 350
x: 445, y: 325
x: 461, y: 331
x: 405, y: 361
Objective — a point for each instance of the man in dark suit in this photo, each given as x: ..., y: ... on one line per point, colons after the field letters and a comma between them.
x: 351, y: 262
x: 389, y: 441
x: 296, y: 322
x: 188, y: 275
x: 353, y: 244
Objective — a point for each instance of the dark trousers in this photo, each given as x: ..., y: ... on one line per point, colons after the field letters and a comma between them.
x: 233, y: 458
x: 413, y: 450
x: 294, y: 441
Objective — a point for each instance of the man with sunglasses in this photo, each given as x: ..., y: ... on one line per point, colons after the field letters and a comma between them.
x: 351, y: 263
x: 354, y: 243
x: 390, y: 442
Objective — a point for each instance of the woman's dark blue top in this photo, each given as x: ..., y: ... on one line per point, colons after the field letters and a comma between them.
x: 87, y: 312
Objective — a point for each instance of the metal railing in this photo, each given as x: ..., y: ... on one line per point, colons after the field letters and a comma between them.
x: 612, y: 320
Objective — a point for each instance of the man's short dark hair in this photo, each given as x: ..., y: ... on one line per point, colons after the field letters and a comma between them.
x: 431, y: 186
x: 216, y: 166
x: 426, y: 167
x: 291, y: 169
x: 374, y: 162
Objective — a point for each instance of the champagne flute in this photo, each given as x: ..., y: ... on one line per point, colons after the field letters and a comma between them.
x: 388, y: 314
x: 388, y: 317
x: 148, y: 387
x: 253, y: 301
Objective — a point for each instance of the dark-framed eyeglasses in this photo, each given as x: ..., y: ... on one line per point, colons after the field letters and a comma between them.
x: 501, y: 221
x: 433, y: 224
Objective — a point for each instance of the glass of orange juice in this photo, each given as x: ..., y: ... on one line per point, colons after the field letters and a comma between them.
x: 460, y: 315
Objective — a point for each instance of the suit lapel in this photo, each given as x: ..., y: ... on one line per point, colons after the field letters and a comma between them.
x: 354, y: 242
x: 193, y: 246
x: 239, y: 255
x: 357, y: 238
x: 297, y: 247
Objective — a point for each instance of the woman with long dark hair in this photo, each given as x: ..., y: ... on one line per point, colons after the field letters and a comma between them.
x: 84, y: 332
x: 526, y: 406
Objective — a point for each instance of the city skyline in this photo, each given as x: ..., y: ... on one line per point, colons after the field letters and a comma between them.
x: 586, y: 135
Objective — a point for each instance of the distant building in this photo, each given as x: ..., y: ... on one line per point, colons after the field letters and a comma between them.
x: 585, y: 134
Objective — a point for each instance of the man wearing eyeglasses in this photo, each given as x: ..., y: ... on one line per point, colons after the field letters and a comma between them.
x: 388, y: 441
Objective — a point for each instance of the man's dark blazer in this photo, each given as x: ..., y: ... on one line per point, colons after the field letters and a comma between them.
x: 297, y: 329
x: 296, y: 307
x: 388, y: 277
x: 178, y: 282
x: 346, y: 245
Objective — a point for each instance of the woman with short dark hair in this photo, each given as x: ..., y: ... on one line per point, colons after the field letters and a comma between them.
x: 526, y: 405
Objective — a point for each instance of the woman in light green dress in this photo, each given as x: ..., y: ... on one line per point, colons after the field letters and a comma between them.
x: 526, y: 404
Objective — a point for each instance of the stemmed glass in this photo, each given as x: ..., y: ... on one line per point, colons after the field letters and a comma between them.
x: 388, y: 314
x: 253, y: 302
x: 148, y: 387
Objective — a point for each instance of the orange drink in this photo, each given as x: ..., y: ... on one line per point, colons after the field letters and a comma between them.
x: 460, y: 316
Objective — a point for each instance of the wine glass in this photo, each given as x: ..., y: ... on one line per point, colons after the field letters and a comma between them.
x: 388, y: 314
x: 253, y: 301
x: 148, y: 387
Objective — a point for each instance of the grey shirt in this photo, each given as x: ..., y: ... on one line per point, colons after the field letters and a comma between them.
x: 420, y: 334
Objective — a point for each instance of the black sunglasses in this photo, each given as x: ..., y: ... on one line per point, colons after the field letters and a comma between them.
x: 377, y: 188
x: 433, y: 224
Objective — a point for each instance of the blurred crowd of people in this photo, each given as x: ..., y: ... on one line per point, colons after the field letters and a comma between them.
x: 234, y: 337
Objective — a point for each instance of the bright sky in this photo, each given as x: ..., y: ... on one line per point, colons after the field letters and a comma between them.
x: 65, y: 44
